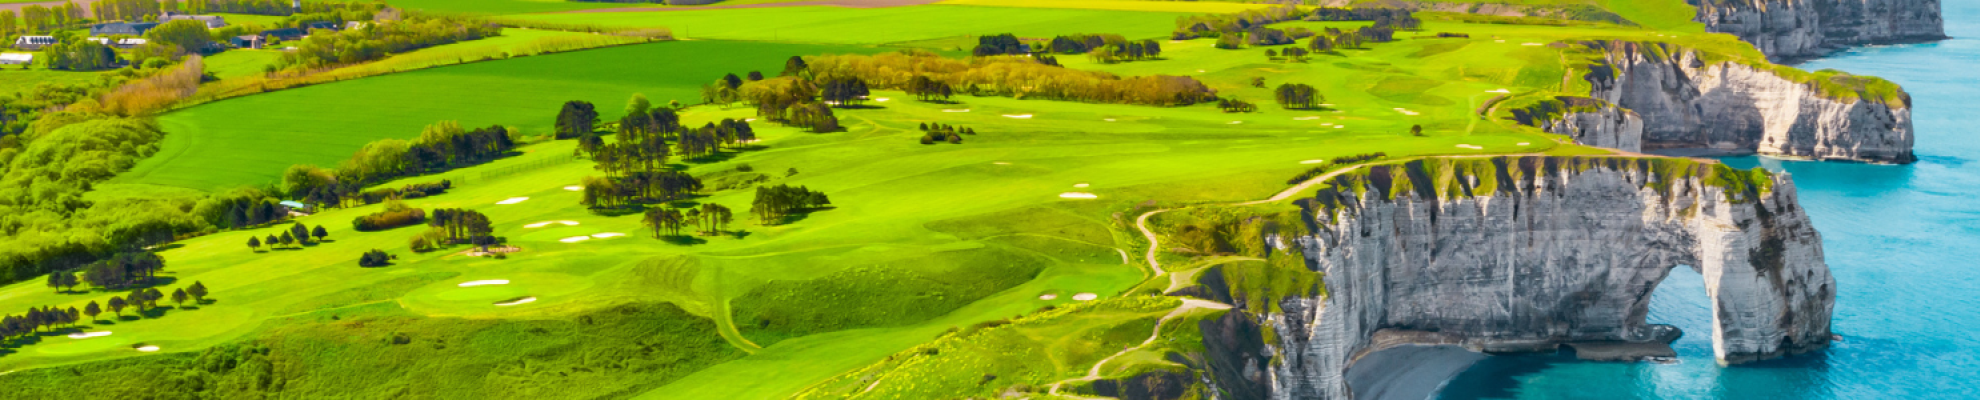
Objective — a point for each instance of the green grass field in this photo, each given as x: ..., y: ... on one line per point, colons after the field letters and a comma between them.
x: 256, y: 143
x: 924, y: 241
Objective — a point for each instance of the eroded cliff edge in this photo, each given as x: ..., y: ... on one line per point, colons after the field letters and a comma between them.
x: 1657, y: 96
x: 1526, y: 253
x: 1789, y: 30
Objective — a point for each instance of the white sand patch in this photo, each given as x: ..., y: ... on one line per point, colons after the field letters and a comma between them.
x: 956, y: 110
x: 512, y: 200
x: 1000, y: 163
x: 1467, y: 146
x: 1236, y: 122
x: 1078, y: 195
x: 881, y: 99
x: 1048, y: 296
x: 1326, y: 105
x: 525, y: 300
x: 574, y: 188
x: 1199, y: 71
x: 1405, y: 111
x: 539, y: 224
x: 1085, y: 296
x: 148, y: 348
x: 1305, y: 118
x: 574, y: 239
x: 1531, y: 44
x: 1018, y: 116
x: 749, y: 120
x: 1500, y: 91
x: 1339, y: 126
x: 1108, y: 120
x: 484, y: 282
x: 1310, y: 162
x: 1326, y: 124
x: 607, y: 235
x: 568, y: 222
x: 1523, y: 143
x: 86, y: 335
x: 1080, y: 185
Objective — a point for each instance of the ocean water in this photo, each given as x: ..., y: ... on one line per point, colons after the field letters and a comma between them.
x: 1902, y: 241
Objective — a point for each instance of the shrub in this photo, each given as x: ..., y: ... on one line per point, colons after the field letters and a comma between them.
x: 375, y: 258
x: 395, y: 215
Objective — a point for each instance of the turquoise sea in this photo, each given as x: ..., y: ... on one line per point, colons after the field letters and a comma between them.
x: 1903, y: 243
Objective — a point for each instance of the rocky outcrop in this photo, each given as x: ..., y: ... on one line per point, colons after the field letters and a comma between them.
x: 1799, y: 29
x: 1525, y: 254
x: 1607, y: 127
x: 1687, y: 101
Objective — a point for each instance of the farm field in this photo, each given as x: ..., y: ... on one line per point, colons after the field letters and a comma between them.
x: 824, y: 24
x: 1018, y: 244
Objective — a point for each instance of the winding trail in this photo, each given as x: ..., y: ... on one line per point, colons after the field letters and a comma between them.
x: 1093, y: 374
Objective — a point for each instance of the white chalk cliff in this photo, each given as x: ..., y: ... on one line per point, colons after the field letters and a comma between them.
x: 1671, y: 98
x: 1798, y: 29
x: 1527, y: 253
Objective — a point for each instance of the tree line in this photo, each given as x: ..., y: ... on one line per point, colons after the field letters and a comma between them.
x: 1297, y: 96
x: 441, y: 146
x: 50, y: 318
x: 1013, y: 77
x: 775, y: 203
x: 324, y: 49
x: 1216, y: 25
x: 37, y: 19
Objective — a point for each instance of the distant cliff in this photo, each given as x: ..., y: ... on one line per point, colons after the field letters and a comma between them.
x: 1650, y: 96
x: 1528, y: 253
x: 1799, y: 29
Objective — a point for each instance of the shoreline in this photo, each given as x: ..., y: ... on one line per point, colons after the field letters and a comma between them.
x: 1408, y: 372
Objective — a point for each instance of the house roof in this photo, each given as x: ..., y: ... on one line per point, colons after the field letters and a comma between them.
x: 122, y: 27
x: 283, y: 32
x: 35, y: 40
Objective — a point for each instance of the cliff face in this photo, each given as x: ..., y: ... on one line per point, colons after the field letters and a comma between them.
x: 1800, y: 29
x: 1608, y: 127
x: 1687, y: 102
x: 1527, y: 253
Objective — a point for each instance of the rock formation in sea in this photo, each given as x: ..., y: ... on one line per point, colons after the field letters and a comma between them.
x: 1652, y: 96
x: 1789, y: 30
x: 1527, y: 254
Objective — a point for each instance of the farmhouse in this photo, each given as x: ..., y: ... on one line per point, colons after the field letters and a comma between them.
x: 33, y: 42
x: 283, y: 34
x: 124, y: 43
x: 212, y: 21
x: 16, y: 58
x: 121, y: 28
x: 247, y: 42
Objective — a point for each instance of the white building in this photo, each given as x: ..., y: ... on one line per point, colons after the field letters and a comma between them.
x: 34, y: 42
x: 16, y: 58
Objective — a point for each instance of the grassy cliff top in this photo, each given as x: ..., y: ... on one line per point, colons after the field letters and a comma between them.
x: 1450, y: 178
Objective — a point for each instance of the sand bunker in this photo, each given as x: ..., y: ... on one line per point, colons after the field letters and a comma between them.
x: 574, y: 188
x: 512, y: 200
x: 1523, y: 143
x: 1048, y: 296
x: 1018, y: 116
x: 568, y: 222
x: 1339, y: 126
x: 1000, y: 163
x: 1312, y: 161
x: 1531, y: 44
x: 1080, y: 185
x: 574, y: 239
x: 1405, y: 111
x: 539, y: 224
x: 1466, y: 146
x: 1236, y: 122
x: 1499, y: 41
x: 955, y: 110
x: 1199, y: 71
x: 1078, y: 195
x: 148, y: 348
x: 484, y: 282
x: 1501, y: 91
x: 1085, y: 296
x: 1305, y: 118
x: 607, y: 235
x: 749, y: 120
x: 525, y: 300
x: 881, y: 99
x: 1108, y: 120
x: 86, y: 335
